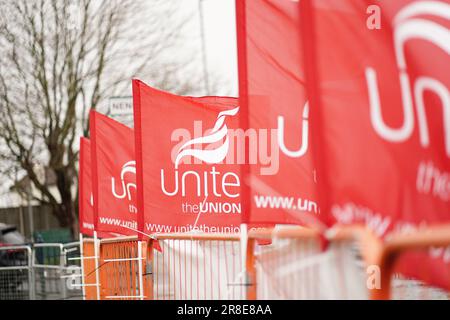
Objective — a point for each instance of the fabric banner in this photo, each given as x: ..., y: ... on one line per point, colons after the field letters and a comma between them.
x: 273, y: 98
x: 378, y: 72
x: 186, y: 149
x: 114, y: 176
x: 85, y: 197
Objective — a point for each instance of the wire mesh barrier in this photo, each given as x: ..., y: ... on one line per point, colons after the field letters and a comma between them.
x: 57, y: 271
x: 71, y: 271
x: 122, y: 265
x: 282, y: 263
x: 296, y: 266
x: 43, y: 271
x: 288, y: 263
x: 197, y: 267
x: 16, y: 273
x: 90, y: 282
x: 48, y: 262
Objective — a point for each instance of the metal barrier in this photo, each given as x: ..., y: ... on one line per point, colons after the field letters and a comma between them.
x: 43, y: 271
x: 295, y: 263
x: 57, y: 271
x: 223, y: 266
x: 282, y: 263
x: 89, y: 268
x: 72, y: 271
x: 197, y: 267
x: 16, y: 273
x: 122, y: 265
x: 300, y: 264
x: 48, y: 262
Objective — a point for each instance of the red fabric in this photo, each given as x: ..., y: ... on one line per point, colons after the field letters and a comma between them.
x: 387, y: 166
x: 85, y: 197
x: 163, y: 123
x: 273, y: 97
x: 114, y: 175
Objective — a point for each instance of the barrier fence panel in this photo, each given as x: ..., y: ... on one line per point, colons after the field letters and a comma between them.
x: 88, y: 260
x: 122, y: 265
x: 71, y: 271
x: 283, y: 263
x: 432, y: 241
x: 57, y: 271
x: 197, y: 267
x: 48, y: 264
x: 16, y: 273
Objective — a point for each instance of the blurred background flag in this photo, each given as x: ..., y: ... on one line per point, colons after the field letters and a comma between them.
x: 273, y: 99
x: 381, y: 103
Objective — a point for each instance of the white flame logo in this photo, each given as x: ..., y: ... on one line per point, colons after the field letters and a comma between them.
x: 129, y: 167
x: 219, y: 132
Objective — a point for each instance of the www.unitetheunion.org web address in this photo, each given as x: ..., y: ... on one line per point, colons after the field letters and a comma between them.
x: 262, y: 202
x: 158, y: 228
x: 287, y: 203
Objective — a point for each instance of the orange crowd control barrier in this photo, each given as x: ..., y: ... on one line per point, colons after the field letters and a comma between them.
x: 395, y: 286
x: 88, y: 265
x: 123, y: 265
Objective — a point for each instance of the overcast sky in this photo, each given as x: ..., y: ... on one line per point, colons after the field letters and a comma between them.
x: 220, y: 37
x: 220, y: 34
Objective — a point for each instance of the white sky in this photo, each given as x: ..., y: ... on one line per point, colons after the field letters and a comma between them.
x: 220, y: 34
x: 220, y: 37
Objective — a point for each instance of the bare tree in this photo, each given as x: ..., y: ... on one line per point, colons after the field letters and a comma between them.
x: 59, y: 59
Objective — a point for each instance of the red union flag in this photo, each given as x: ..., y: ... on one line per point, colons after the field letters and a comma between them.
x: 273, y: 98
x: 85, y: 197
x: 382, y: 107
x: 185, y: 161
x: 114, y: 175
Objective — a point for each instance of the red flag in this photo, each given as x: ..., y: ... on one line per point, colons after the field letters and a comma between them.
x: 85, y: 197
x: 380, y: 85
x: 273, y: 98
x: 114, y: 175
x: 185, y: 162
